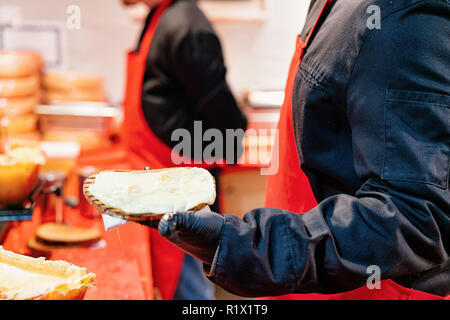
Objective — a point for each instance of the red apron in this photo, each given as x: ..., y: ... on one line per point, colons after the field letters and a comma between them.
x: 145, y: 149
x: 284, y: 187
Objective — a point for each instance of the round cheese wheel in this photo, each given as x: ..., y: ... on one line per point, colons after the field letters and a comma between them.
x: 19, y: 169
x: 72, y: 80
x: 19, y: 63
x: 56, y: 233
x: 67, y: 95
x: 21, y: 124
x: 16, y: 106
x: 19, y: 87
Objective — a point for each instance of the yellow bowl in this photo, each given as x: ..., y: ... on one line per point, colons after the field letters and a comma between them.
x: 19, y: 170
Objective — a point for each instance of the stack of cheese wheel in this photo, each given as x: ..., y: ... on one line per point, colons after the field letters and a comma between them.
x: 20, y: 91
x: 73, y: 87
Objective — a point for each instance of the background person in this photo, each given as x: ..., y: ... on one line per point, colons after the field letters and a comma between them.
x: 175, y: 77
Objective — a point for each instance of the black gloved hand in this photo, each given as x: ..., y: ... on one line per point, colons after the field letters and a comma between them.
x: 196, y: 233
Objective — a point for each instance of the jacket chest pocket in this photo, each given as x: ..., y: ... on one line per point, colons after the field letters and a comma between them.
x: 417, y: 137
x: 312, y: 111
x: 321, y: 129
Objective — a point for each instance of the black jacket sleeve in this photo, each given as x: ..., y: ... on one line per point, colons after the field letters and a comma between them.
x: 399, y: 219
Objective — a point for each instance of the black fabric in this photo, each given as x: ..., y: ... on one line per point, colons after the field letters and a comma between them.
x: 371, y: 112
x: 185, y: 79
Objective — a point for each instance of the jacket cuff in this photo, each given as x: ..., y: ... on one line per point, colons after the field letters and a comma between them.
x: 211, y: 270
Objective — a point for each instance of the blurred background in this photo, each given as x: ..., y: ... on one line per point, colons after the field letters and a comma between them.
x: 257, y: 47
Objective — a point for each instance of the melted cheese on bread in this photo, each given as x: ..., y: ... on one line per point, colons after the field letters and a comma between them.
x: 23, y: 277
x: 158, y: 191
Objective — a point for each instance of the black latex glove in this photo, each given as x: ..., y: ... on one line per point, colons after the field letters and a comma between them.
x: 196, y: 233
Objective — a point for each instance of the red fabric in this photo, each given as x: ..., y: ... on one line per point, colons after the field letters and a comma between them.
x: 389, y: 290
x: 145, y: 149
x: 289, y: 189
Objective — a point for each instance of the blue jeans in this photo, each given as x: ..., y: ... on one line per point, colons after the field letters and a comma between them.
x: 193, y: 285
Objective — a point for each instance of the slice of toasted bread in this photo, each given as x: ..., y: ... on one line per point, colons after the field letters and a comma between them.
x: 143, y: 195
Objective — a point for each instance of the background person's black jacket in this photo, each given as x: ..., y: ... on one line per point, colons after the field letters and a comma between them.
x: 185, y: 77
x: 371, y: 112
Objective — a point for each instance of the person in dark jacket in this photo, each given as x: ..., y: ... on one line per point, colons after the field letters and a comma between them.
x: 370, y: 115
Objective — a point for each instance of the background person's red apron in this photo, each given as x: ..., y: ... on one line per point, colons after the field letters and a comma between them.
x: 145, y: 149
x: 289, y: 189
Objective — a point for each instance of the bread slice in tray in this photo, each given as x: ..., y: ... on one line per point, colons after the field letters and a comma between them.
x: 27, y: 278
x: 144, y: 195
